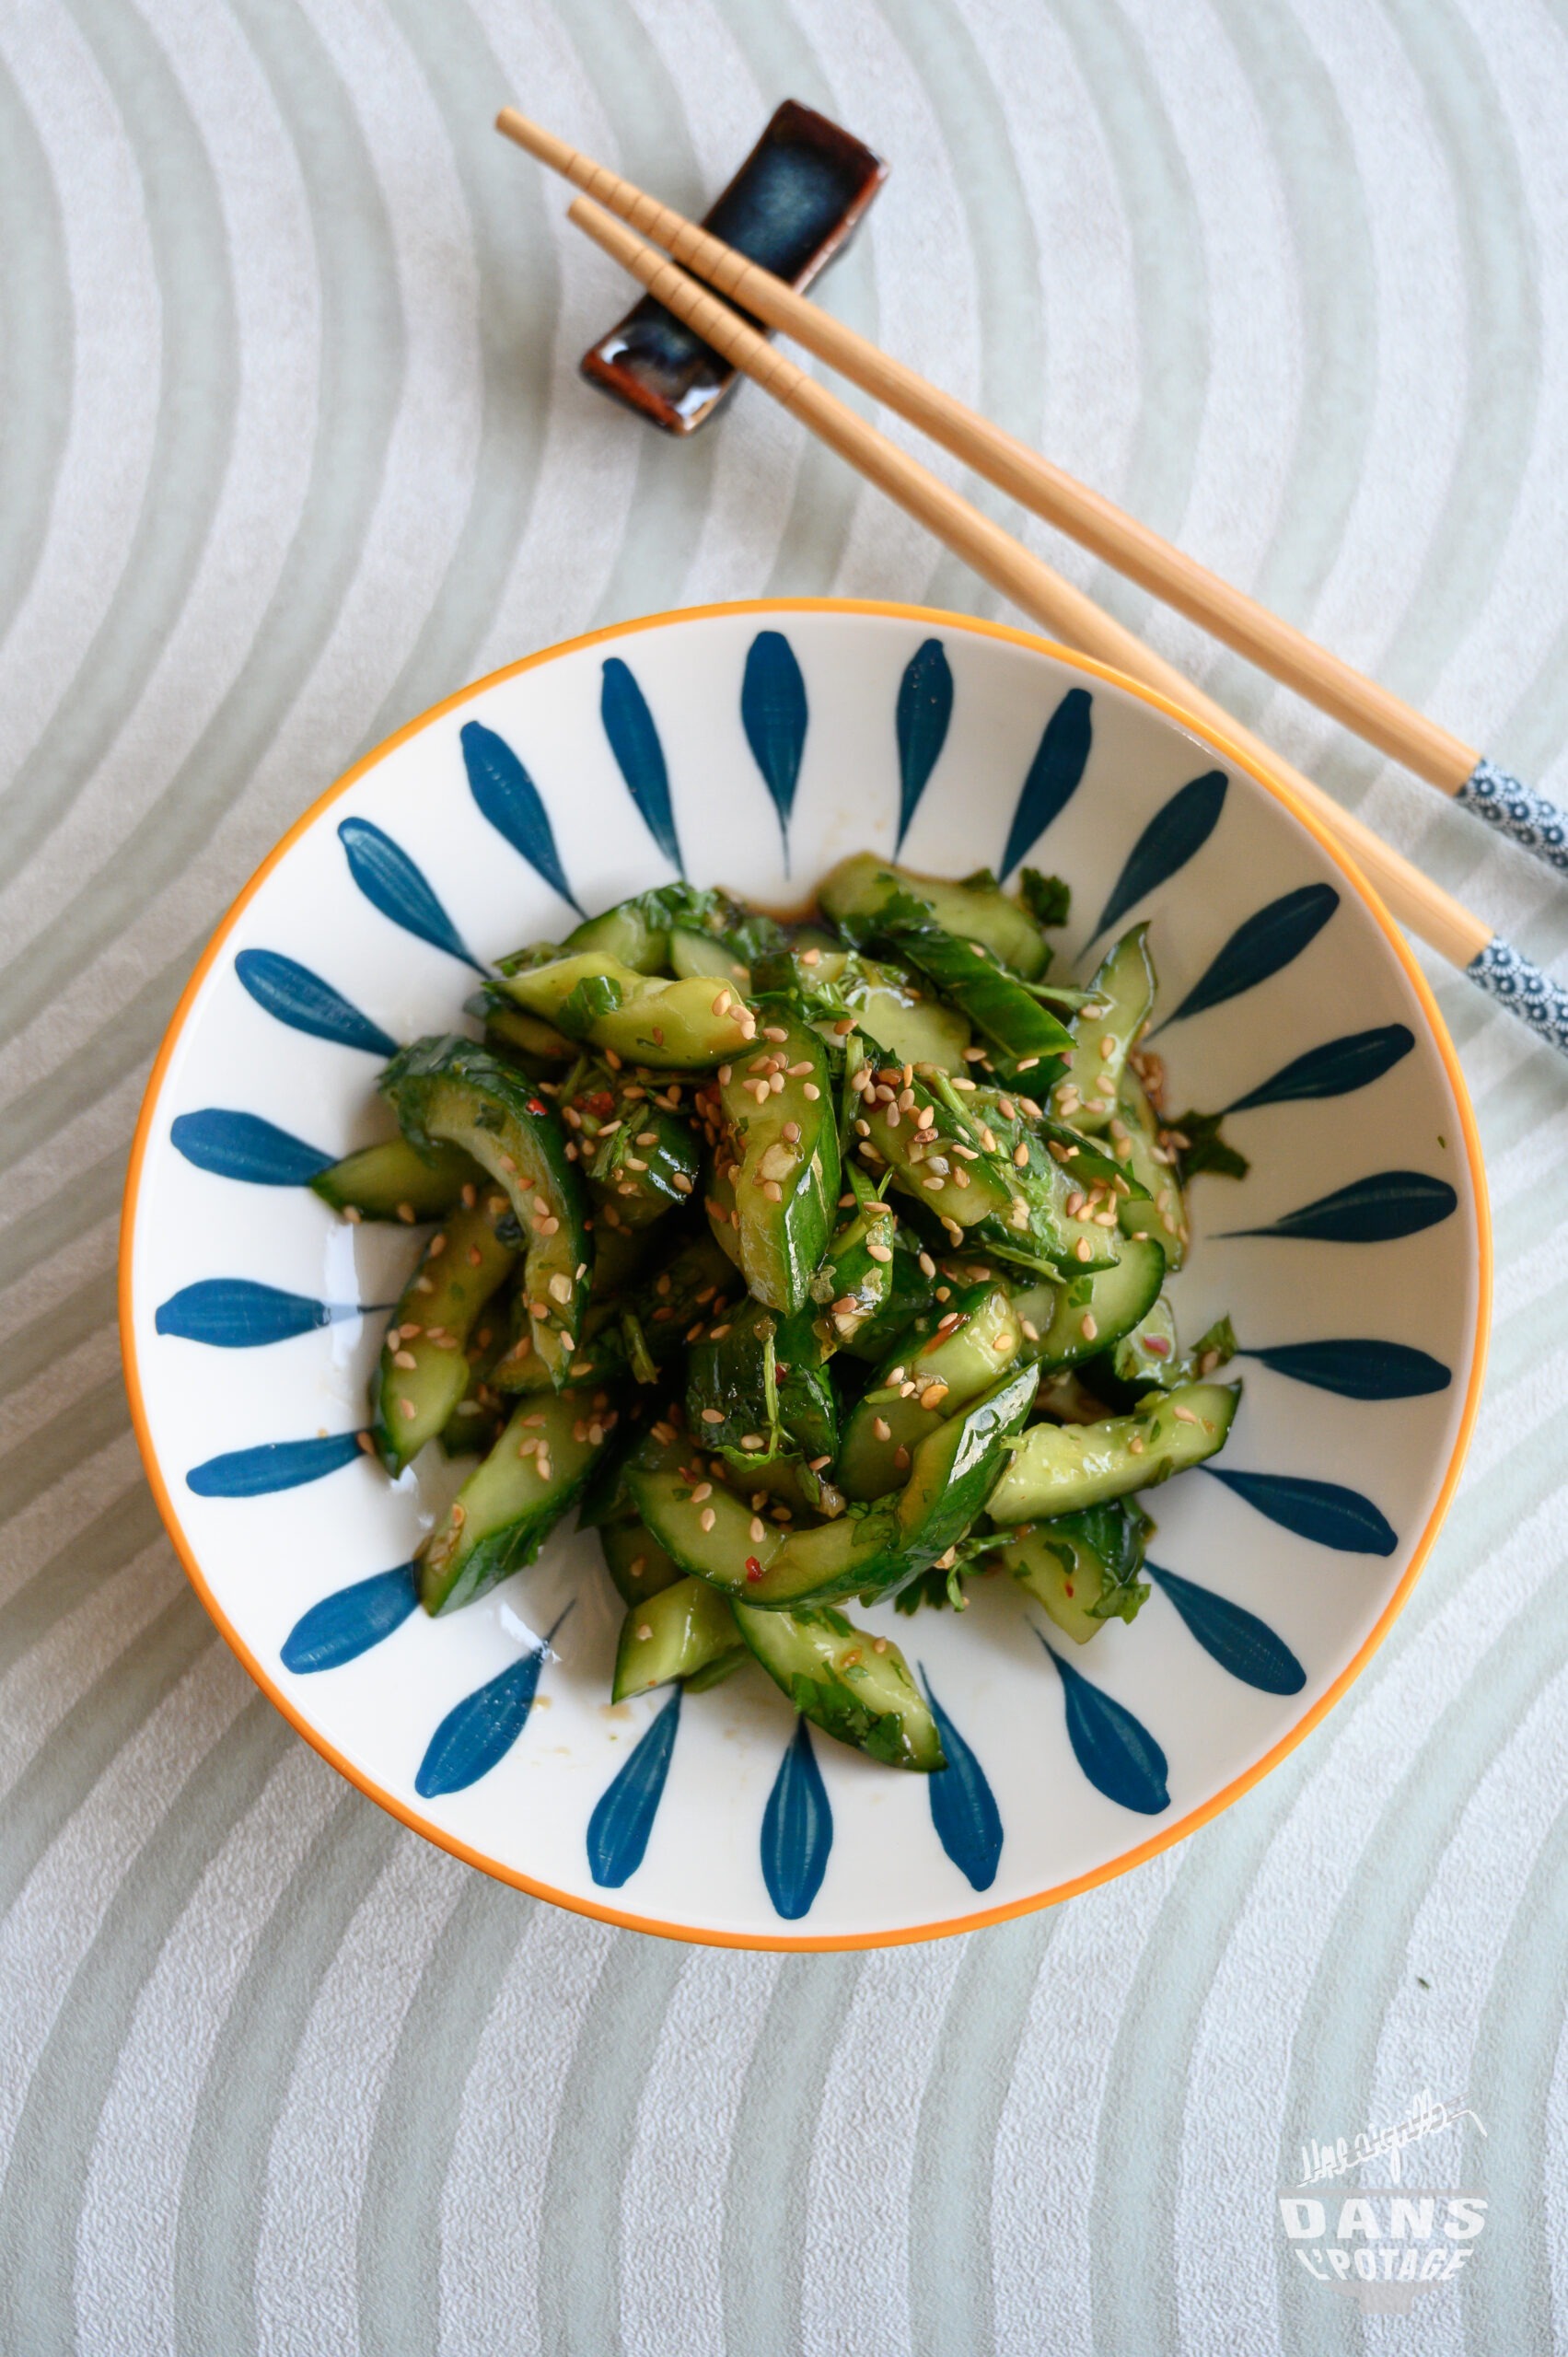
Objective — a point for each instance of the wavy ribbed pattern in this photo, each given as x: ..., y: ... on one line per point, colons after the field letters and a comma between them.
x: 294, y: 445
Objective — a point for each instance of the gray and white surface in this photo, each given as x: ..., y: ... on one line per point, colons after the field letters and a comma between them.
x: 293, y: 443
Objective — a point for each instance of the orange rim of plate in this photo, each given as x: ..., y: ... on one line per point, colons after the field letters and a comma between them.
x: 1141, y: 1851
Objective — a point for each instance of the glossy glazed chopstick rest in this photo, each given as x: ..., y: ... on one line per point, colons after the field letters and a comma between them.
x: 1518, y: 811
x: 1382, y: 718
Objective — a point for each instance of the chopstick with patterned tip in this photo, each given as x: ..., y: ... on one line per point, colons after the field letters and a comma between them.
x: 1046, y: 598
x: 1359, y: 703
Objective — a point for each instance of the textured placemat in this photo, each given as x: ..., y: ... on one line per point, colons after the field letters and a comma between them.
x: 293, y: 444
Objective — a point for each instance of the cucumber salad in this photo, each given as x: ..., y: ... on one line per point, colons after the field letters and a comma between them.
x: 809, y: 1262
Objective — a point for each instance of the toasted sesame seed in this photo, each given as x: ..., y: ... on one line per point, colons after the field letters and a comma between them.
x: 704, y: 1489
x: 933, y: 1186
x: 1030, y: 1331
x: 882, y: 1428
x: 707, y: 1517
x: 1084, y: 1248
x: 1136, y: 1445
x: 1087, y: 1327
x: 560, y: 1288
x: 365, y: 1443
x: 883, y: 1252
x: 902, y: 1458
x: 1184, y: 1415
x: 721, y: 1004
x: 407, y: 1410
x: 612, y: 1060
x: 927, y: 1265
x: 711, y: 1416
x: 405, y: 1212
x: 810, y: 1089
x: 725, y: 1074
x: 844, y: 1029
x: 752, y: 1440
x: 404, y: 1358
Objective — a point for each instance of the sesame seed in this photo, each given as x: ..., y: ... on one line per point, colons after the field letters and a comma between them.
x: 878, y: 1644
x: 404, y: 1358
x: 1184, y: 1415
x: 365, y: 1443
x: 721, y: 1004
x: 612, y: 1060
x: 353, y: 1213
x: 774, y: 1032
x: 883, y: 1252
x: 407, y: 1410
x: 643, y: 1632
x: 1084, y: 1248
x: 927, y: 1265
x: 725, y: 1073
x: 933, y: 1186
x: 1136, y: 1445
x: 1108, y: 1047
x: 704, y: 1489
x: 810, y: 1089
x: 707, y: 1517
x: 882, y: 1428
x: 801, y: 1071
x: 713, y: 1416
x: 546, y: 1470
x: 1087, y: 1326
x: 1031, y: 1331
x: 844, y: 1029
x: 405, y: 1212
x: 752, y: 1440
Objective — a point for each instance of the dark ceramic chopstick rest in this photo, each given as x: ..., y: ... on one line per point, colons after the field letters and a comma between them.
x: 792, y: 204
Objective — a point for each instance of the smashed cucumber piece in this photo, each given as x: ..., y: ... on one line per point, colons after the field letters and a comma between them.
x: 683, y: 1629
x: 451, y: 1088
x: 508, y: 1506
x: 423, y: 1372
x: 635, y: 1562
x: 854, y: 1687
x: 1060, y: 1468
x: 1105, y: 1031
x: 1084, y: 1567
x: 640, y: 1017
x: 1163, y: 1216
x: 647, y: 1165
x: 855, y: 1283
x: 906, y: 1023
x: 994, y: 1000
x: 781, y: 1169
x: 397, y: 1180
x: 931, y: 1375
x: 975, y: 910
x: 1077, y: 1319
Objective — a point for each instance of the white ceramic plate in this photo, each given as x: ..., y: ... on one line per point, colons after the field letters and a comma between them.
x: 756, y: 745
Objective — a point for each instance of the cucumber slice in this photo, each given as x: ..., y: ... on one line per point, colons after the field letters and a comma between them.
x: 423, y: 1372
x: 960, y: 1188
x: 757, y: 1375
x: 1086, y: 1313
x: 906, y: 1023
x: 512, y: 1033
x: 854, y: 1687
x: 910, y: 1293
x: 855, y: 1283
x: 712, y: 1535
x: 640, y: 1017
x: 1164, y: 1217
x: 453, y: 1090
x: 975, y: 910
x: 975, y: 981
x: 782, y: 1165
x: 695, y: 954
x: 947, y: 1371
x: 1084, y: 1567
x: 396, y: 1181
x: 634, y: 932
x: 1123, y: 995
x: 681, y: 1629
x: 508, y: 1508
x: 648, y: 1165
x: 636, y: 1562
x: 1060, y: 1468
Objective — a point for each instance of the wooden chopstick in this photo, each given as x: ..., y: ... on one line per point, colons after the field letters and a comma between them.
x: 1032, y: 586
x: 1373, y: 711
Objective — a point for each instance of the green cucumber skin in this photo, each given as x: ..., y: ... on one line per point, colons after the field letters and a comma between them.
x: 859, y: 887
x: 1083, y: 1568
x: 667, y: 1149
x: 782, y: 1244
x: 1166, y: 1223
x: 992, y: 999
x: 853, y: 1286
x: 1119, y: 1299
x: 833, y: 1673
x: 910, y: 1293
x: 628, y: 1544
x: 451, y: 1087
x: 463, y: 1264
x: 395, y: 1180
x: 503, y: 1514
x: 966, y: 1360
x: 681, y: 1629
x: 1124, y: 986
x: 669, y: 1026
x: 1061, y: 1468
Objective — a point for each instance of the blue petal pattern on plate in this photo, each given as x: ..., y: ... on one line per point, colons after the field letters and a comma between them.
x: 1259, y: 947
x: 797, y: 1829
x: 275, y: 1465
x: 1370, y: 1210
x: 634, y: 741
x: 773, y: 713
x: 623, y: 1816
x: 1238, y: 1640
x: 1176, y: 833
x: 1358, y: 1368
x: 1054, y: 775
x: 478, y: 1732
x: 391, y: 882
x: 241, y: 1146
x: 346, y: 1624
x: 1333, y: 1070
x: 1116, y: 1751
x: 1324, y: 1512
x: 306, y: 1003
x: 508, y: 797
x: 963, y: 1807
x: 924, y: 708
x: 233, y: 1314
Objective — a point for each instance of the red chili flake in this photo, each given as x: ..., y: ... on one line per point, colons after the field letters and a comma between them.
x: 753, y: 1568
x: 535, y: 1105
x: 1158, y: 1344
